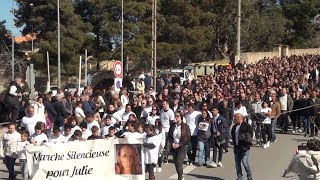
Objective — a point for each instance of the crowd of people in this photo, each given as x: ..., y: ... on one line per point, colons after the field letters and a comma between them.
x: 240, y: 105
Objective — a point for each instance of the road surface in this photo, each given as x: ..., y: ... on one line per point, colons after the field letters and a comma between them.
x: 266, y: 164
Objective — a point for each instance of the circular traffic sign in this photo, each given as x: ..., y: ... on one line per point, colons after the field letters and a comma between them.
x: 117, y: 69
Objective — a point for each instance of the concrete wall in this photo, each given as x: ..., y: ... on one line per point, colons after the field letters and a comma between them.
x: 252, y: 57
x: 303, y: 51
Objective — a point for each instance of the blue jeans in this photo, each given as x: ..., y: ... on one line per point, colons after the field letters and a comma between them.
x: 273, y: 129
x: 10, y: 166
x: 242, y: 156
x: 306, y: 123
x: 204, y: 152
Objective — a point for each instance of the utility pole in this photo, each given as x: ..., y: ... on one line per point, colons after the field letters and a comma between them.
x: 86, y: 68
x: 12, y: 45
x: 154, y: 43
x: 59, y: 70
x: 239, y: 32
x: 31, y: 7
x: 122, y: 37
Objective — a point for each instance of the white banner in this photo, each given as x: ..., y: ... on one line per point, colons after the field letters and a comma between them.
x: 93, y: 159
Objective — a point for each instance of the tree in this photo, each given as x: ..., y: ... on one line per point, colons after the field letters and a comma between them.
x: 42, y: 20
x: 105, y: 18
x: 301, y: 30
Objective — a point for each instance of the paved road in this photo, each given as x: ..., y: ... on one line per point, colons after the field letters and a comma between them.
x: 266, y: 164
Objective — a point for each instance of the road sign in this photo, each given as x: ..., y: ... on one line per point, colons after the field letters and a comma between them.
x: 117, y: 69
x: 89, y: 78
x: 117, y: 84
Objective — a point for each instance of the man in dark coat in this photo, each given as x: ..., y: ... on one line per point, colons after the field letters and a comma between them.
x: 13, y: 97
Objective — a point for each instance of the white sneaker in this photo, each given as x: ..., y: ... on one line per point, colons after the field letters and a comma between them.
x: 268, y: 144
x: 264, y: 146
x: 293, y: 131
x: 300, y: 130
x: 212, y: 165
x: 219, y: 164
x: 159, y: 169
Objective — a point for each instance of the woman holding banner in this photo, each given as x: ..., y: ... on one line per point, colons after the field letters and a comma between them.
x: 178, y: 137
x: 128, y: 160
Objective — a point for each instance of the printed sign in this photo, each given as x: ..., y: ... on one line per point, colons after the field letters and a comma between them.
x: 94, y: 159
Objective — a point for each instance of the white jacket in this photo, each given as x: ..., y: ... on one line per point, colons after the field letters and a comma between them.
x: 9, y: 144
x: 151, y: 155
x: 302, y: 164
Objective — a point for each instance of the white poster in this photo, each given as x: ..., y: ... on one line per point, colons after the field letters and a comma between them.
x: 95, y: 159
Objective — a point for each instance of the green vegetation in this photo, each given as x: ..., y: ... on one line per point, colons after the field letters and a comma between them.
x: 190, y: 30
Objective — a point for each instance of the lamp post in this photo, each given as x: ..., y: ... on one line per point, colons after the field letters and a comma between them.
x: 12, y: 45
x: 122, y: 37
x: 239, y: 32
x: 154, y: 43
x: 31, y: 7
x: 59, y: 71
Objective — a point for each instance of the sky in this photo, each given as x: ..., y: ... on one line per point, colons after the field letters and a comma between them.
x: 5, y: 14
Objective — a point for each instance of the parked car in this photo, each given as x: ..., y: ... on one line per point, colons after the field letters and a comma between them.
x: 53, y: 89
x: 72, y: 87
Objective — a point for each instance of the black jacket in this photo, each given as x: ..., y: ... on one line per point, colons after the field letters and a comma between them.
x: 183, y: 139
x: 52, y: 113
x: 245, y: 136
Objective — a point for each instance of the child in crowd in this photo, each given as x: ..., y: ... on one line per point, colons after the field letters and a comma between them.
x: 38, y: 137
x: 111, y: 134
x: 56, y: 137
x: 130, y: 131
x: 151, y: 145
x: 77, y: 136
x: 67, y: 132
x: 159, y: 131
x: 8, y: 148
x: 73, y: 123
x: 106, y: 126
x: 85, y: 132
x: 21, y: 149
x: 91, y: 122
x: 95, y: 133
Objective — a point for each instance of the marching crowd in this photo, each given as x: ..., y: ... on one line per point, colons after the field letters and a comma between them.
x: 240, y: 105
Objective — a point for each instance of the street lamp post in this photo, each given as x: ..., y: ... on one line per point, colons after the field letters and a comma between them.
x: 31, y: 7
x: 154, y: 43
x: 12, y: 45
x: 59, y: 71
x: 122, y: 37
x: 239, y: 32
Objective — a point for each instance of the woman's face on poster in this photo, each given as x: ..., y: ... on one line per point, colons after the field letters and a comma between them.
x: 126, y: 157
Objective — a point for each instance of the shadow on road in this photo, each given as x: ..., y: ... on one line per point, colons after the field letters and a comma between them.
x: 199, y: 176
x: 300, y: 140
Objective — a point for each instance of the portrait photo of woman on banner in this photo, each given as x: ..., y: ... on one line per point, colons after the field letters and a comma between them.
x: 128, y: 159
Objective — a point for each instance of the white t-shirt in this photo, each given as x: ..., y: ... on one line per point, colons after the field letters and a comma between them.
x: 152, y: 119
x: 105, y: 130
x: 21, y: 149
x: 242, y: 110
x: 39, y: 138
x: 192, y: 121
x: 30, y: 122
x: 60, y: 139
x: 177, y: 134
x: 166, y: 117
x: 78, y: 112
x: 267, y: 120
x: 91, y: 124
